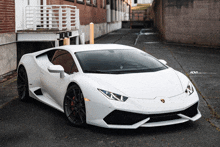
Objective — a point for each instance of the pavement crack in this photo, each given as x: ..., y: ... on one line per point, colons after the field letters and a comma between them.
x: 208, y: 120
x: 15, y: 97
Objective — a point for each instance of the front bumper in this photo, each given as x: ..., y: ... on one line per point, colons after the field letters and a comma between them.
x: 136, y: 113
x: 118, y: 119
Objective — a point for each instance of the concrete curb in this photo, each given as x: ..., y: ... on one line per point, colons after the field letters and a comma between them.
x: 7, y: 76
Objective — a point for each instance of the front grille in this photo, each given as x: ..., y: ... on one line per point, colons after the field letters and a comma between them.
x: 162, y: 117
x: 123, y: 118
x: 118, y: 117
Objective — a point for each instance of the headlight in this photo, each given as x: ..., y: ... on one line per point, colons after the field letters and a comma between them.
x: 189, y: 89
x: 113, y: 96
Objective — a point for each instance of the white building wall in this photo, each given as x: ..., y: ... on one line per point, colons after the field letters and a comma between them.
x: 100, y: 29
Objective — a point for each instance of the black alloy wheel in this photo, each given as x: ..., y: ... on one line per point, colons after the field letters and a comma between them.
x: 74, y: 106
x: 22, y: 84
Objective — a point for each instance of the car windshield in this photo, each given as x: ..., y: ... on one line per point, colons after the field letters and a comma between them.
x: 118, y: 61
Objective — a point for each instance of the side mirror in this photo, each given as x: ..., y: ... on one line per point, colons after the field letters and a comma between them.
x: 163, y: 61
x: 56, y: 69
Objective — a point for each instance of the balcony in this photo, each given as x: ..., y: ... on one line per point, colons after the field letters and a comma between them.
x: 51, y: 17
x: 49, y: 23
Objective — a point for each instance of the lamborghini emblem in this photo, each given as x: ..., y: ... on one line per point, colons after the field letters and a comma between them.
x: 162, y: 100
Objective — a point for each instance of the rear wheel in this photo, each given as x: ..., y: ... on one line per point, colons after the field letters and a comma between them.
x: 74, y: 106
x: 22, y: 84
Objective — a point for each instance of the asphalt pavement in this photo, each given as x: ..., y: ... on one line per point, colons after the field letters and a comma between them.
x: 35, y: 124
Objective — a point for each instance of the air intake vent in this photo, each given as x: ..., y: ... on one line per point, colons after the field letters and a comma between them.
x: 123, y: 118
x: 191, y: 111
x: 38, y: 92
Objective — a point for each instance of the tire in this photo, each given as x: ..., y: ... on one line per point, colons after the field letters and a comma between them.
x: 22, y: 84
x: 74, y: 106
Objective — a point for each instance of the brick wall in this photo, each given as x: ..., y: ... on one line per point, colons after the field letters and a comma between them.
x: 88, y: 13
x: 7, y: 16
x: 190, y: 21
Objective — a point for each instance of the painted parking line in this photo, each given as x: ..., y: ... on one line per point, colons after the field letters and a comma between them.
x: 144, y: 30
x: 142, y: 33
x: 148, y: 33
x: 136, y: 40
x: 201, y: 73
x: 151, y: 42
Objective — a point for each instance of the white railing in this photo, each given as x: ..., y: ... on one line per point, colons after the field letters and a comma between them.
x: 58, y: 17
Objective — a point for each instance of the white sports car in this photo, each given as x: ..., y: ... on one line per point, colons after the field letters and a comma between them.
x: 112, y: 86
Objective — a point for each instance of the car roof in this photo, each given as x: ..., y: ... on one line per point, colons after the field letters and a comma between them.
x: 91, y: 47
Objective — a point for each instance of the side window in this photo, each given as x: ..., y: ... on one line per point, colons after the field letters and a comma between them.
x: 65, y: 59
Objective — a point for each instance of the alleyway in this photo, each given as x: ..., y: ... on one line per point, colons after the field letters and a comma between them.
x: 35, y: 124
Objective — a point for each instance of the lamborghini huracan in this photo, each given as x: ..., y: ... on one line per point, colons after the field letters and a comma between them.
x: 108, y: 85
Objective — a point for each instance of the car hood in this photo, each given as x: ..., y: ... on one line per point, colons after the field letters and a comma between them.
x: 148, y: 85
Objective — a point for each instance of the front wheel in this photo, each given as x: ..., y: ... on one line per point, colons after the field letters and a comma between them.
x: 74, y: 106
x: 22, y: 84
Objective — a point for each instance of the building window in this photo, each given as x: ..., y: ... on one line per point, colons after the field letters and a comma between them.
x: 112, y: 5
x: 115, y: 5
x: 70, y: 0
x: 103, y: 3
x: 88, y: 1
x: 80, y: 1
x: 94, y: 2
x: 135, y: 1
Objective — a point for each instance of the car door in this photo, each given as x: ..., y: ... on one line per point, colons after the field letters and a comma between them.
x: 53, y: 86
